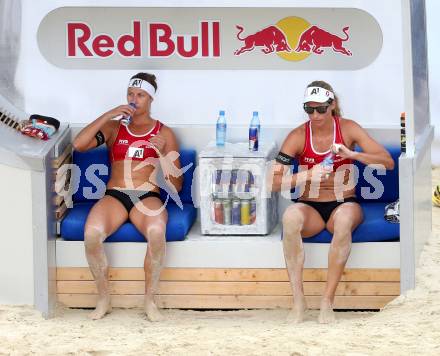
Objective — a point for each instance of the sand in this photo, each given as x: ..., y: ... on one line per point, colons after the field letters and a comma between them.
x: 409, y: 325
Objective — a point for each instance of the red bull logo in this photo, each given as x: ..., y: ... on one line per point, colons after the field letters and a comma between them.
x: 293, y: 32
x: 209, y: 38
x: 315, y: 38
x: 271, y: 38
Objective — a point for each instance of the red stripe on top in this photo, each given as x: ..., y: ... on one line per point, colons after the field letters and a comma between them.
x: 133, y: 147
x: 310, y: 157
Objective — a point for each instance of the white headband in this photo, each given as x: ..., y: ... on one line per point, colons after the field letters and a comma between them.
x: 318, y: 94
x: 142, y: 84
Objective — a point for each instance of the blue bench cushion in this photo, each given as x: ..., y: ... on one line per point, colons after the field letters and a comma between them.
x: 374, y: 227
x: 179, y: 223
x: 91, y: 180
x: 101, y: 169
x: 389, y: 180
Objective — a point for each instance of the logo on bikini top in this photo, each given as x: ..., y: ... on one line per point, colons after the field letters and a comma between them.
x: 135, y: 152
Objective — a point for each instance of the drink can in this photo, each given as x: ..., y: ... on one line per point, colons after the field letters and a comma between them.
x: 225, y: 180
x: 243, y: 178
x: 216, y: 182
x: 245, y: 212
x: 227, y: 212
x: 251, y: 178
x: 236, y: 212
x: 253, y: 138
x: 218, y: 211
x: 233, y: 180
x: 253, y: 211
x: 126, y: 120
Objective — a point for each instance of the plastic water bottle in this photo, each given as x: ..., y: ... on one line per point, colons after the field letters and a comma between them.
x: 327, y: 163
x: 254, y: 132
x: 126, y: 120
x: 220, y: 132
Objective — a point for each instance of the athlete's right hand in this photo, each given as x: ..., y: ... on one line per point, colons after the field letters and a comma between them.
x: 121, y: 110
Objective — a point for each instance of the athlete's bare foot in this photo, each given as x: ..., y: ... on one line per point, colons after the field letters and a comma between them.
x: 103, y: 307
x: 152, y: 311
x: 326, y: 315
x: 296, y: 315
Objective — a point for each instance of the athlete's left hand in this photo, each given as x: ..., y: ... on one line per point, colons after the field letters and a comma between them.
x: 158, y: 141
x: 342, y: 151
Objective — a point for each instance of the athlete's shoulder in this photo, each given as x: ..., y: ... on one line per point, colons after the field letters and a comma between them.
x: 348, y: 125
x: 351, y: 130
x: 297, y: 133
x: 348, y: 122
x: 164, y: 129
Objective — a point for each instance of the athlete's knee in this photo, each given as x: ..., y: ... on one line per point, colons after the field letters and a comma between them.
x: 293, y: 219
x: 342, y: 228
x: 93, y: 238
x: 155, y: 232
x: 343, y: 222
x: 341, y: 240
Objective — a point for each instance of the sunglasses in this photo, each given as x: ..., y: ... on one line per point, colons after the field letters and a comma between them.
x: 320, y: 109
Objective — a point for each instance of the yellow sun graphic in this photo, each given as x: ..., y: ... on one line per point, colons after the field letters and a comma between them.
x: 293, y: 27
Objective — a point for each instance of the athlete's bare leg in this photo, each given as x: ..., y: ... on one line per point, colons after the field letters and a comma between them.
x: 105, y: 217
x: 344, y: 219
x: 153, y: 228
x: 299, y: 220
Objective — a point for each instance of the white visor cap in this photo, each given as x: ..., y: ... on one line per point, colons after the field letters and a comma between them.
x: 142, y: 84
x: 318, y: 95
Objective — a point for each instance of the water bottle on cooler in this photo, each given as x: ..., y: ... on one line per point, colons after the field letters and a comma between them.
x: 254, y: 132
x: 220, y: 132
x: 126, y: 120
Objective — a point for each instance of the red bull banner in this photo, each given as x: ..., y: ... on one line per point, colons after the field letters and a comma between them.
x: 210, y: 38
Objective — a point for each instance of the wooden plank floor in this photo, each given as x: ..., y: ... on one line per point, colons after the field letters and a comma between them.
x: 230, y: 288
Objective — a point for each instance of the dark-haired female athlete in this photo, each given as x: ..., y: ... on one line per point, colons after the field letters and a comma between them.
x: 135, y: 149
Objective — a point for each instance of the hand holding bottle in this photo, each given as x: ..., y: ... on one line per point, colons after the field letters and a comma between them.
x: 342, y: 151
x: 127, y: 119
x: 121, y: 110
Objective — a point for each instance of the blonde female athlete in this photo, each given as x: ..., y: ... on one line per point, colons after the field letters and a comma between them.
x: 328, y: 201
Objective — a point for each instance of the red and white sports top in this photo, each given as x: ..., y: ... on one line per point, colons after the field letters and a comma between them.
x: 310, y: 157
x: 133, y: 147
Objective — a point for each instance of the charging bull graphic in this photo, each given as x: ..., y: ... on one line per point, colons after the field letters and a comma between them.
x: 314, y: 38
x: 271, y: 38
